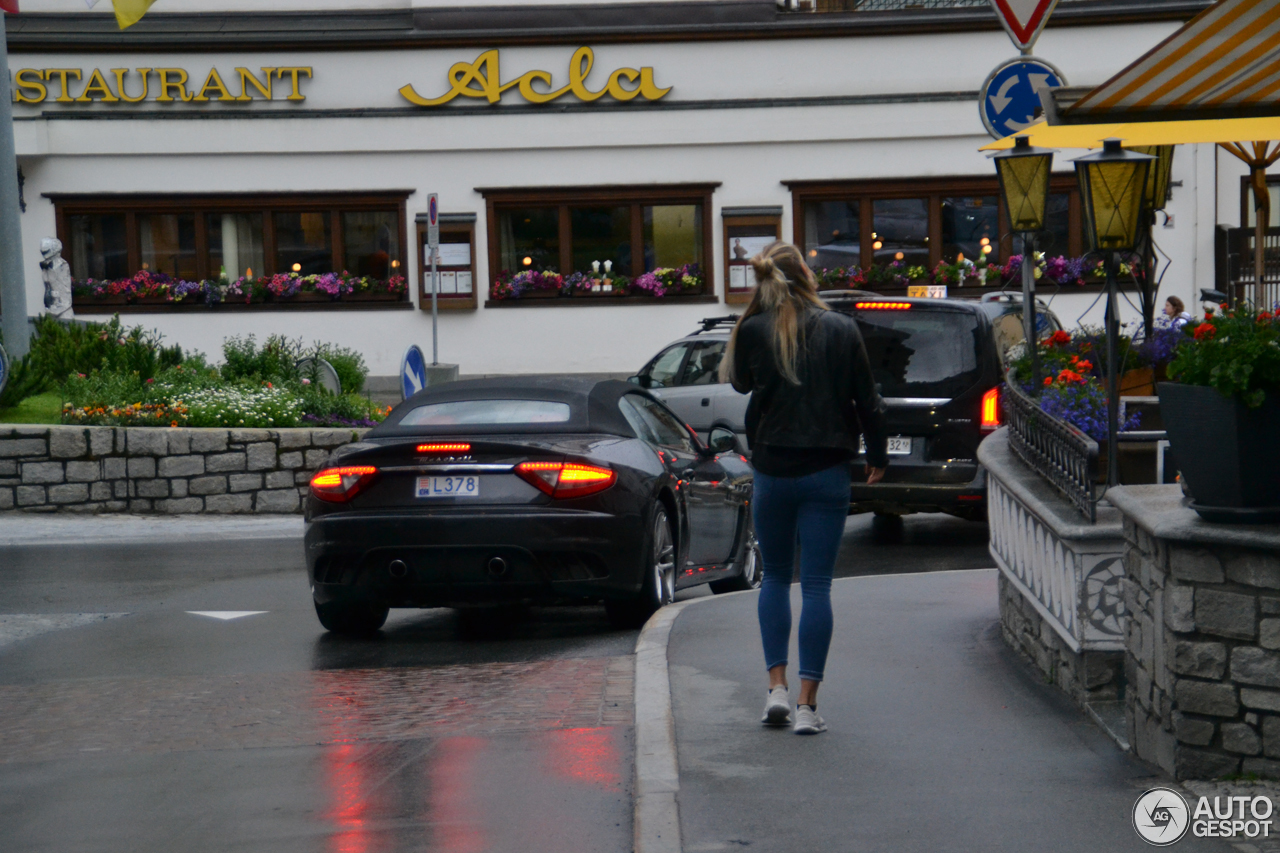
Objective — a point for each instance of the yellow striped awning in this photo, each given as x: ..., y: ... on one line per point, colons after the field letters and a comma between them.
x: 1044, y: 135
x: 1224, y: 62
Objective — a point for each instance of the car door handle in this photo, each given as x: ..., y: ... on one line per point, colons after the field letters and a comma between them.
x: 706, y: 401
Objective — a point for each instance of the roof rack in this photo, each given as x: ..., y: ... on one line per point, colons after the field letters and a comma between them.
x: 709, y: 323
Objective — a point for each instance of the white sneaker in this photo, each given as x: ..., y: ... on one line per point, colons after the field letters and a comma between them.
x: 808, y: 722
x: 777, y: 709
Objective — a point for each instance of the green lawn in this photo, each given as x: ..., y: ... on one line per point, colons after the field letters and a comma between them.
x: 40, y: 409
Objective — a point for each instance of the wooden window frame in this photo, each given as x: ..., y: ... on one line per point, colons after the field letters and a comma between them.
x: 454, y: 225
x: 731, y: 217
x: 933, y: 190
x: 201, y: 205
x: 498, y: 199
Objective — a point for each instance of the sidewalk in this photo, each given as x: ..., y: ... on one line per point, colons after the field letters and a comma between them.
x: 940, y: 738
x: 26, y: 528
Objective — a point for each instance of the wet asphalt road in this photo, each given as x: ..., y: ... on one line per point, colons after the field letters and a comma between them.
x: 128, y: 722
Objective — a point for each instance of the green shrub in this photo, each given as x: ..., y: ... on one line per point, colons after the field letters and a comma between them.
x: 275, y: 362
x: 61, y: 349
x: 347, y: 363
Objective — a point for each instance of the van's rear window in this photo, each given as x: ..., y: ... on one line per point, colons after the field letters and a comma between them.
x: 922, y: 353
x: 486, y: 412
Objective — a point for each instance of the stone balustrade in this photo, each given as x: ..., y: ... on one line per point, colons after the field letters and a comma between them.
x: 1203, y: 638
x: 163, y: 470
x: 1061, y: 602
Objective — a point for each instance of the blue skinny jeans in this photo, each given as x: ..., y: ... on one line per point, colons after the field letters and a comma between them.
x: 813, y: 509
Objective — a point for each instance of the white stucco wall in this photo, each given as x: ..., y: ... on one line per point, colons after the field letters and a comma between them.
x: 750, y: 151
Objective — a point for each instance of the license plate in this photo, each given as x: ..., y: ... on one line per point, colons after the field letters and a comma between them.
x: 897, y: 445
x: 461, y: 486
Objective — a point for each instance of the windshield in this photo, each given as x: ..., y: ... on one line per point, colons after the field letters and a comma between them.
x: 921, y: 353
x: 476, y: 412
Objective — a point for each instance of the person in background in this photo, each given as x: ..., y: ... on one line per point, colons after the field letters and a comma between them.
x: 812, y: 393
x: 1176, y: 311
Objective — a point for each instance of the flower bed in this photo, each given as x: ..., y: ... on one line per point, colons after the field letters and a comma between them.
x: 1060, y: 271
x: 659, y: 283
x: 148, y: 287
x: 109, y: 376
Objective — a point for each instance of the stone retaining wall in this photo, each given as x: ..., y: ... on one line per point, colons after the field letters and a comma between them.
x: 1087, y: 676
x: 1203, y: 640
x: 1061, y: 604
x: 142, y: 469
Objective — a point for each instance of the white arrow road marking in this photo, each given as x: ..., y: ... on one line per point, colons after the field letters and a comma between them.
x: 226, y: 615
x: 413, y: 379
x: 998, y: 100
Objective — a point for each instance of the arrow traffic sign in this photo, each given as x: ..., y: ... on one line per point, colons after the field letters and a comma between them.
x: 413, y: 372
x: 1024, y: 19
x: 1008, y: 100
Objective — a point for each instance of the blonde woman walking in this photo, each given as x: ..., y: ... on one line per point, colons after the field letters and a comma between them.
x: 812, y: 393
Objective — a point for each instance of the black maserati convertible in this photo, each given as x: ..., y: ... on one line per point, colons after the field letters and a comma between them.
x: 530, y: 489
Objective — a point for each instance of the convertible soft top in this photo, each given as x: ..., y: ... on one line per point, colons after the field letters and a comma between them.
x: 593, y: 405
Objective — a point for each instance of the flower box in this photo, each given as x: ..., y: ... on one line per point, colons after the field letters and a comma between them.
x: 374, y: 296
x: 1226, y: 452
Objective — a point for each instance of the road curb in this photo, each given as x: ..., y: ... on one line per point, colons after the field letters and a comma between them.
x: 657, y: 814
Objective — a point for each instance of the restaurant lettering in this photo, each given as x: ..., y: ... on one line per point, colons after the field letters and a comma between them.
x: 482, y: 79
x: 162, y: 85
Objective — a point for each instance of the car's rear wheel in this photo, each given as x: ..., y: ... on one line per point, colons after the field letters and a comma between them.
x: 352, y: 618
x: 659, y: 587
x: 750, y: 574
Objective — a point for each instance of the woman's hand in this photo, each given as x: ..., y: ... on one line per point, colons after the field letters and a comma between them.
x: 874, y: 475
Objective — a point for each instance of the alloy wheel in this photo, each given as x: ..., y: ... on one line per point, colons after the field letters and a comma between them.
x: 752, y: 565
x: 664, y: 560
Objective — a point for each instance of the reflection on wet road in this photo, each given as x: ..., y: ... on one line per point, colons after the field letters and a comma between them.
x: 168, y: 729
x: 211, y: 712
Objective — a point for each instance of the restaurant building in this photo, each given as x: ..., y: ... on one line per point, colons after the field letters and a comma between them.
x: 603, y: 169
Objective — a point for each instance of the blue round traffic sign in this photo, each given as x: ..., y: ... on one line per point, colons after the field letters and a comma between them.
x: 1008, y: 101
x: 413, y: 372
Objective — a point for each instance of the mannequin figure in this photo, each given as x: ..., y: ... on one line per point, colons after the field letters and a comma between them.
x: 57, y: 279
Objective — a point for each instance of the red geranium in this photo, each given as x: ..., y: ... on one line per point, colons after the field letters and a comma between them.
x: 1204, y: 330
x: 1060, y: 338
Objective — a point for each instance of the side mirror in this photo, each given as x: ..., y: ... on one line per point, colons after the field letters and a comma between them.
x: 723, y: 440
x: 635, y: 380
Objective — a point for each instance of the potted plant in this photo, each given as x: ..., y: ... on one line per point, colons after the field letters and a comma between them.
x: 1220, y: 411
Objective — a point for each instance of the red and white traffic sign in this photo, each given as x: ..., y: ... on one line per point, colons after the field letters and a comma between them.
x: 1024, y: 19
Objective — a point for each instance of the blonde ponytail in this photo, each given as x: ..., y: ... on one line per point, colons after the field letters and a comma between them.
x: 785, y: 289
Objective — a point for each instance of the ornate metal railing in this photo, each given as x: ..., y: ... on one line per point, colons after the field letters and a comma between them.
x: 1053, y: 448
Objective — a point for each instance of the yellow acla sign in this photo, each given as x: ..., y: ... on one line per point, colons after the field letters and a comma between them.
x: 164, y: 85
x: 482, y: 79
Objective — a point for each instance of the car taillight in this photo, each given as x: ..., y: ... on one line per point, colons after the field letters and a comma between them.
x: 339, y: 485
x: 882, y: 306
x: 991, y: 410
x: 445, y: 447
x: 566, y: 479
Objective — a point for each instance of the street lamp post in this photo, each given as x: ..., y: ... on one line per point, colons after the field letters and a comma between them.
x: 1155, y: 195
x: 1024, y: 185
x: 1112, y: 185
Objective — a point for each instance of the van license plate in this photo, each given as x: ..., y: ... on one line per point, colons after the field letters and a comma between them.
x: 898, y: 445
x: 467, y: 486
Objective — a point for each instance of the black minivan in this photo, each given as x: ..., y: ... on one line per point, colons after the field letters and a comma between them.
x: 939, y: 363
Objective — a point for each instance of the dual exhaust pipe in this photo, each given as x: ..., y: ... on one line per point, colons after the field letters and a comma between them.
x: 496, y: 566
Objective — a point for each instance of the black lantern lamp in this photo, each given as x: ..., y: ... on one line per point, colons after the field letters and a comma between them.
x: 1024, y: 186
x: 1113, y: 184
x: 1155, y: 196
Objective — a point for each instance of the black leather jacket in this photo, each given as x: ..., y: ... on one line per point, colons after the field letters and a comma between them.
x: 837, y: 397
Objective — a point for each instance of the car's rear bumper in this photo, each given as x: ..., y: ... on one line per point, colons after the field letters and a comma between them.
x: 544, y: 554
x: 965, y: 499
